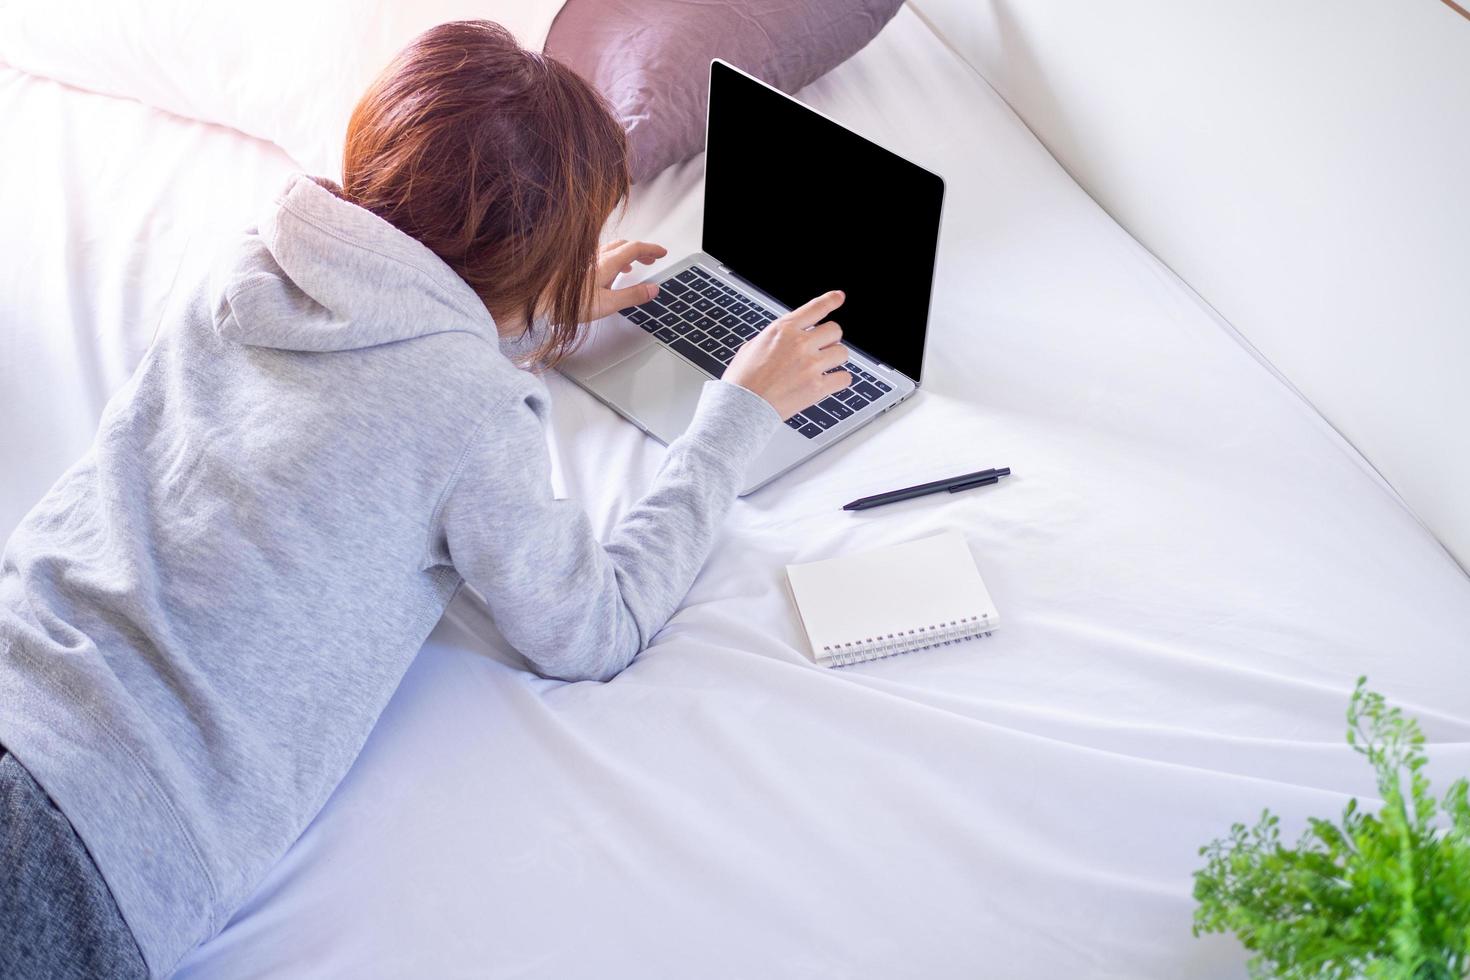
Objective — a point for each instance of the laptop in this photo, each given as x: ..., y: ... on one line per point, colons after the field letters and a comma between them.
x: 794, y: 205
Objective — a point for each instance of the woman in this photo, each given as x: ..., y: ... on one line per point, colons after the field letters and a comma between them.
x: 203, y: 619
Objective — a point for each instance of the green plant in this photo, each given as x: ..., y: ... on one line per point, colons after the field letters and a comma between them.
x: 1380, y: 896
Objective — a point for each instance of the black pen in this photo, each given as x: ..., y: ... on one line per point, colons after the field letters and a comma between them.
x: 954, y: 484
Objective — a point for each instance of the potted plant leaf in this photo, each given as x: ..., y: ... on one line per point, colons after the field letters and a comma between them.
x: 1383, y: 895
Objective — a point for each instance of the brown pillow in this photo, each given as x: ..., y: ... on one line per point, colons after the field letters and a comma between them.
x: 650, y: 58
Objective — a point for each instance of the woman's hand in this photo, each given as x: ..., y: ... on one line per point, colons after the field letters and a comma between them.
x: 788, y: 362
x: 615, y: 258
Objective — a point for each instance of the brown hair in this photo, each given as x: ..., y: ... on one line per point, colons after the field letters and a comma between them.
x: 502, y: 161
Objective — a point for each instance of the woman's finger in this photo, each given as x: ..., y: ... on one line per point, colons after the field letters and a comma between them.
x: 626, y: 253
x: 831, y: 357
x: 824, y: 334
x: 637, y: 295
x: 835, y: 381
x: 816, y: 310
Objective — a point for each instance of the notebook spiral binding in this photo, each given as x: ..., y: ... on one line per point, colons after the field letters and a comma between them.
x: 908, y: 641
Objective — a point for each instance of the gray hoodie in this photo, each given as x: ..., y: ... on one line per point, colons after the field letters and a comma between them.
x: 203, y: 619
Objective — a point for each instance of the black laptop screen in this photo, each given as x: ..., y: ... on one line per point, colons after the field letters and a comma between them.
x: 798, y: 205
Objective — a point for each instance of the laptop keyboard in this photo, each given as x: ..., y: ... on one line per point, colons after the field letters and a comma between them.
x: 707, y: 321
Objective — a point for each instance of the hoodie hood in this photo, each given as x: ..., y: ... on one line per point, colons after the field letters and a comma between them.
x: 322, y: 274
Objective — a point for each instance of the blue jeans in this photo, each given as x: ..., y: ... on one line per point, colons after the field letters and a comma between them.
x: 57, y: 919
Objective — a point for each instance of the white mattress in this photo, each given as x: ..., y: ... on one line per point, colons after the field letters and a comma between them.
x: 1191, y: 567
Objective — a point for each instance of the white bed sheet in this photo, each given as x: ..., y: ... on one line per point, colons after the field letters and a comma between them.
x: 1192, y: 569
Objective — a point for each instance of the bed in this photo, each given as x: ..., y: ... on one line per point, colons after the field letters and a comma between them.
x: 1191, y: 565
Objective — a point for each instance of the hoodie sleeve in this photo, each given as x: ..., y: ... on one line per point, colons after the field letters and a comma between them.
x: 576, y: 608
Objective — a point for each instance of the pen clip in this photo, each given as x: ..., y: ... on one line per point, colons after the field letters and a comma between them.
x: 985, y: 482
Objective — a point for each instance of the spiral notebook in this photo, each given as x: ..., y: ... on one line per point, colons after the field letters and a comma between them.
x: 892, y: 600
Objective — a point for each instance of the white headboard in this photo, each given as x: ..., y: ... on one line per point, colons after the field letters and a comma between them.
x: 1304, y: 166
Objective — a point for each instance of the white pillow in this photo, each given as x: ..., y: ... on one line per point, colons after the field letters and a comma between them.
x: 289, y: 71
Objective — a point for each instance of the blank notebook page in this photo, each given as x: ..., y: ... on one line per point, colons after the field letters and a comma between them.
x: 891, y: 600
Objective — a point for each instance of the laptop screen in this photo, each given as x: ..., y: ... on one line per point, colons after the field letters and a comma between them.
x: 797, y: 205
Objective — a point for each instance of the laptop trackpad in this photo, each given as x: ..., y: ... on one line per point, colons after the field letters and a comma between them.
x: 656, y: 387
